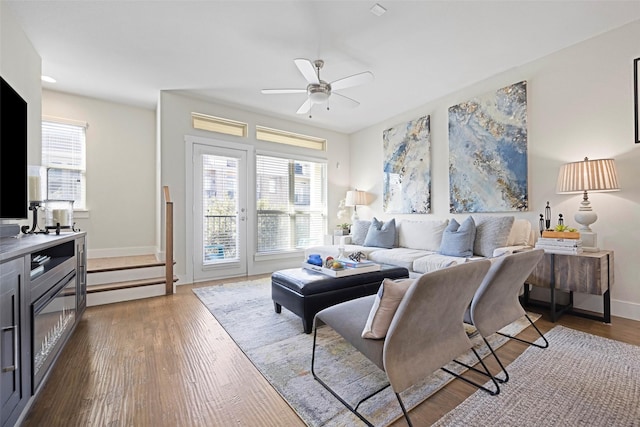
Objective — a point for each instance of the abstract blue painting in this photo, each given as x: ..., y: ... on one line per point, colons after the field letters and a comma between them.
x: 488, y: 152
x: 407, y: 167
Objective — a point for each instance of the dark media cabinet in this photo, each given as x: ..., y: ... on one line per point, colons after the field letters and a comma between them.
x: 43, y: 291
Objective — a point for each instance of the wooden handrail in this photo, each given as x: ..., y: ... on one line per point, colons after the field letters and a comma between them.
x: 168, y: 249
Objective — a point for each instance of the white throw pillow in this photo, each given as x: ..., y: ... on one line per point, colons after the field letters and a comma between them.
x: 425, y: 235
x: 384, y: 307
x: 520, y: 233
x: 491, y: 233
x: 359, y: 230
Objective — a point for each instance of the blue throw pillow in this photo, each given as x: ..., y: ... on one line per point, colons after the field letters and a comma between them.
x: 457, y: 240
x: 381, y: 234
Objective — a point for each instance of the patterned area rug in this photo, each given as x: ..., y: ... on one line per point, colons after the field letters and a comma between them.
x: 277, y: 346
x: 580, y: 380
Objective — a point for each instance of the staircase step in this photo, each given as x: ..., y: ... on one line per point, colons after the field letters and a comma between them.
x: 127, y: 284
x: 100, y: 265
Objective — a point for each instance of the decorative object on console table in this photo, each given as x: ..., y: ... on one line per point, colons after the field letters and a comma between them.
x: 59, y: 215
x: 587, y: 273
x: 37, y: 187
x: 541, y: 224
x: 560, y: 245
x: 342, y: 229
x: 580, y: 177
x: 355, y: 198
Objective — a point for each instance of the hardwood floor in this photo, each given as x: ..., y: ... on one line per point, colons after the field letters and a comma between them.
x: 165, y: 361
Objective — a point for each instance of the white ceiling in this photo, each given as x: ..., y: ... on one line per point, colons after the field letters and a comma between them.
x: 128, y: 51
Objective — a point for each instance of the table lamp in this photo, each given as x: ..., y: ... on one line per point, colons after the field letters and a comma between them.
x: 584, y: 176
x: 355, y: 198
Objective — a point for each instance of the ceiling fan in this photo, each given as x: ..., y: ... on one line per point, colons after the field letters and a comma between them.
x: 319, y: 91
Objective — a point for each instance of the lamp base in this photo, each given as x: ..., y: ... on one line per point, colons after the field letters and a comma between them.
x: 589, y: 241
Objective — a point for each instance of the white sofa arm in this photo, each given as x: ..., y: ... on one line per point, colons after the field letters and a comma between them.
x: 345, y: 240
x: 509, y: 250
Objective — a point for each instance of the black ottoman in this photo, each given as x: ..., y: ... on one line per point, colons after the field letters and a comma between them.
x: 306, y: 292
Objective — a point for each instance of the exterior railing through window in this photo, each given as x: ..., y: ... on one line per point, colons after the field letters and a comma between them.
x: 220, y: 238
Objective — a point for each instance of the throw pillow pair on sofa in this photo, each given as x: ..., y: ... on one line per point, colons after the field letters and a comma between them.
x: 476, y: 237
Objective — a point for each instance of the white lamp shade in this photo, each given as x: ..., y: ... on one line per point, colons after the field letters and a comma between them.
x: 356, y: 198
x: 588, y: 175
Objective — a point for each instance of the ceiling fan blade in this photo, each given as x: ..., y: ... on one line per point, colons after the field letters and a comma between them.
x: 355, y: 80
x: 343, y: 101
x: 277, y: 91
x: 307, y: 69
x: 304, y: 108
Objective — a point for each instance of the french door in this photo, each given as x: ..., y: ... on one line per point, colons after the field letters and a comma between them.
x: 220, y: 212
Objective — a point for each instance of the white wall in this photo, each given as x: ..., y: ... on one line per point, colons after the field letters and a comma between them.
x: 175, y: 123
x: 20, y: 66
x: 121, y: 186
x: 580, y: 103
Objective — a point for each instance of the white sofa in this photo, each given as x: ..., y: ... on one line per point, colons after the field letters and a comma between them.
x: 418, y: 243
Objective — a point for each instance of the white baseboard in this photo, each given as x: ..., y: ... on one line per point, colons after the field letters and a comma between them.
x: 628, y: 310
x: 118, y: 252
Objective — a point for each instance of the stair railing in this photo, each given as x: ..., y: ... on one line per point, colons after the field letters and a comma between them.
x: 168, y: 250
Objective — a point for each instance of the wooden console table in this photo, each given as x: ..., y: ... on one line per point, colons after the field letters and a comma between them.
x: 588, y: 273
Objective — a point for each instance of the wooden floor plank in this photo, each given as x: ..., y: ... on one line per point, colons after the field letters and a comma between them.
x: 165, y: 361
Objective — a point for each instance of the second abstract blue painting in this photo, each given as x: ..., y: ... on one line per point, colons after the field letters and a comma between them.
x: 488, y: 152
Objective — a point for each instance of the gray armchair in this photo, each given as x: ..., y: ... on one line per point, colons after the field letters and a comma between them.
x: 426, y: 332
x: 496, y: 303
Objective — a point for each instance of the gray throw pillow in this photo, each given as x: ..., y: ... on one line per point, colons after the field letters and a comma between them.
x: 381, y: 234
x: 491, y: 232
x: 359, y: 231
x: 457, y: 240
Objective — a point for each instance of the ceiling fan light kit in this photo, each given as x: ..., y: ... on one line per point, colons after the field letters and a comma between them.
x: 319, y: 91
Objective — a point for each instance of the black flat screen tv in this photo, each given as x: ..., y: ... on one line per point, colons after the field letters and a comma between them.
x: 13, y: 153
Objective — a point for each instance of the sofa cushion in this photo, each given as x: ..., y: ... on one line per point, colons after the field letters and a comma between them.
x: 491, y: 232
x: 520, y: 233
x: 381, y: 234
x: 435, y: 262
x: 402, y: 257
x: 384, y: 307
x: 359, y: 230
x: 425, y: 235
x: 457, y: 239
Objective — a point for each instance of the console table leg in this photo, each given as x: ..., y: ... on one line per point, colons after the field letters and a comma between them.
x: 552, y: 288
x: 607, y: 306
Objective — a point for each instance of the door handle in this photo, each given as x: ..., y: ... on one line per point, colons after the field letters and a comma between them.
x: 13, y: 330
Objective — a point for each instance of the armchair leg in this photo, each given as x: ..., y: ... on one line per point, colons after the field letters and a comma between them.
x: 495, y: 356
x: 486, y: 372
x: 354, y: 410
x: 546, y: 343
x: 404, y: 411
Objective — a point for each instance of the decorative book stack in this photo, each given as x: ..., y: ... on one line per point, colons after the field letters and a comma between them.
x: 555, y: 245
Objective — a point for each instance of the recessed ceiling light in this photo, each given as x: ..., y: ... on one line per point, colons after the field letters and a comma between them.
x: 48, y: 79
x: 377, y: 10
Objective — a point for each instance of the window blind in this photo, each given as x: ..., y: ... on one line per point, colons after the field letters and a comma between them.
x: 220, y: 207
x: 291, y: 203
x: 64, y: 156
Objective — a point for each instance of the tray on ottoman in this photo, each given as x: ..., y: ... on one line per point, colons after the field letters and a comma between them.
x: 305, y: 292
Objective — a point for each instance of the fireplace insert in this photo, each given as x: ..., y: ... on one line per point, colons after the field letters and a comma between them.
x: 53, y: 318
